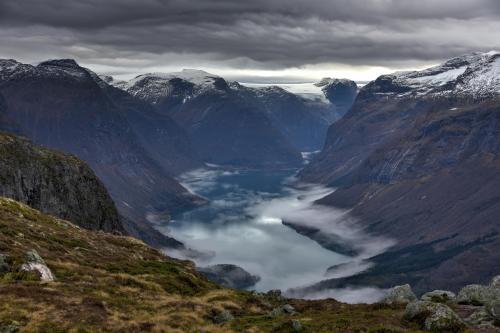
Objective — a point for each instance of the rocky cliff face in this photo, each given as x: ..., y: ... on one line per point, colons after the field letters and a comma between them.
x: 64, y: 106
x: 55, y: 183
x: 417, y: 158
x: 161, y: 137
x: 225, y: 128
x: 7, y: 124
x: 302, y: 122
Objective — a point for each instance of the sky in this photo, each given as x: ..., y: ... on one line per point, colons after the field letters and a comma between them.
x: 280, y: 41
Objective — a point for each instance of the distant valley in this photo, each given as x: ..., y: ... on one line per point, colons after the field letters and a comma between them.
x: 140, y: 136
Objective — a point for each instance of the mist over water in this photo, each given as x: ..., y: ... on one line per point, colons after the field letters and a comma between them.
x: 242, y: 225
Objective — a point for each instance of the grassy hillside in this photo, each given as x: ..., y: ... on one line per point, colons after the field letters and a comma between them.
x: 108, y: 283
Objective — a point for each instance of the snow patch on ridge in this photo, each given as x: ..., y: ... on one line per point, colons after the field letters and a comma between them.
x: 195, y: 76
x: 474, y: 75
x: 440, y: 78
x: 483, y: 78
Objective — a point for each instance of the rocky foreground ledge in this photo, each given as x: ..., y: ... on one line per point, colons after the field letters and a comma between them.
x: 442, y: 311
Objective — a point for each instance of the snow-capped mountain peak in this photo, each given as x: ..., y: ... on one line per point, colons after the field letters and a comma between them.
x: 474, y: 75
x: 154, y: 87
x: 483, y: 77
x: 194, y: 76
x: 57, y: 68
x: 8, y: 67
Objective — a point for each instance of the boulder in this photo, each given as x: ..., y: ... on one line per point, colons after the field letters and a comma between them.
x: 443, y: 319
x: 418, y: 309
x: 480, y: 317
x: 223, y: 317
x: 495, y: 282
x: 275, y: 295
x: 475, y: 294
x: 35, y: 263
x: 296, y: 325
x: 400, y: 295
x: 33, y: 256
x: 286, y: 309
x: 13, y: 327
x: 434, y: 317
x: 493, y: 309
x: 289, y: 326
x: 439, y: 296
x: 230, y: 276
x: 4, y: 266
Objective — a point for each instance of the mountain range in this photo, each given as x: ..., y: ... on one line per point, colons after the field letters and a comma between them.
x: 233, y: 125
x: 415, y: 157
x: 61, y: 105
x: 138, y: 136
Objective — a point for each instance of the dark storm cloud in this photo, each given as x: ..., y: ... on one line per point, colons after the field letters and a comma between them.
x: 97, y: 14
x: 252, y: 34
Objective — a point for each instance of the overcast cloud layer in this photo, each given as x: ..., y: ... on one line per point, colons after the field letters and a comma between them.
x: 282, y: 37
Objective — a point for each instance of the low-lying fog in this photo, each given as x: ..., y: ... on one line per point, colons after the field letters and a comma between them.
x: 242, y: 225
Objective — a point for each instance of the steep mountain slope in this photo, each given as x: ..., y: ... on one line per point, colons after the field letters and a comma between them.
x: 62, y: 105
x: 165, y: 141
x: 302, y: 122
x: 55, y: 183
x: 417, y: 158
x: 7, y: 124
x: 226, y: 126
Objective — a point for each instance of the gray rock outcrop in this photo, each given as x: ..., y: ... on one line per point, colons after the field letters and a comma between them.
x: 296, y: 325
x: 230, y: 276
x: 495, y: 282
x: 286, y: 309
x: 479, y: 318
x: 35, y: 263
x: 4, y: 266
x: 440, y: 296
x: 223, y: 317
x: 400, y: 295
x: 55, y: 183
x: 434, y: 317
x: 475, y: 294
x: 493, y: 309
